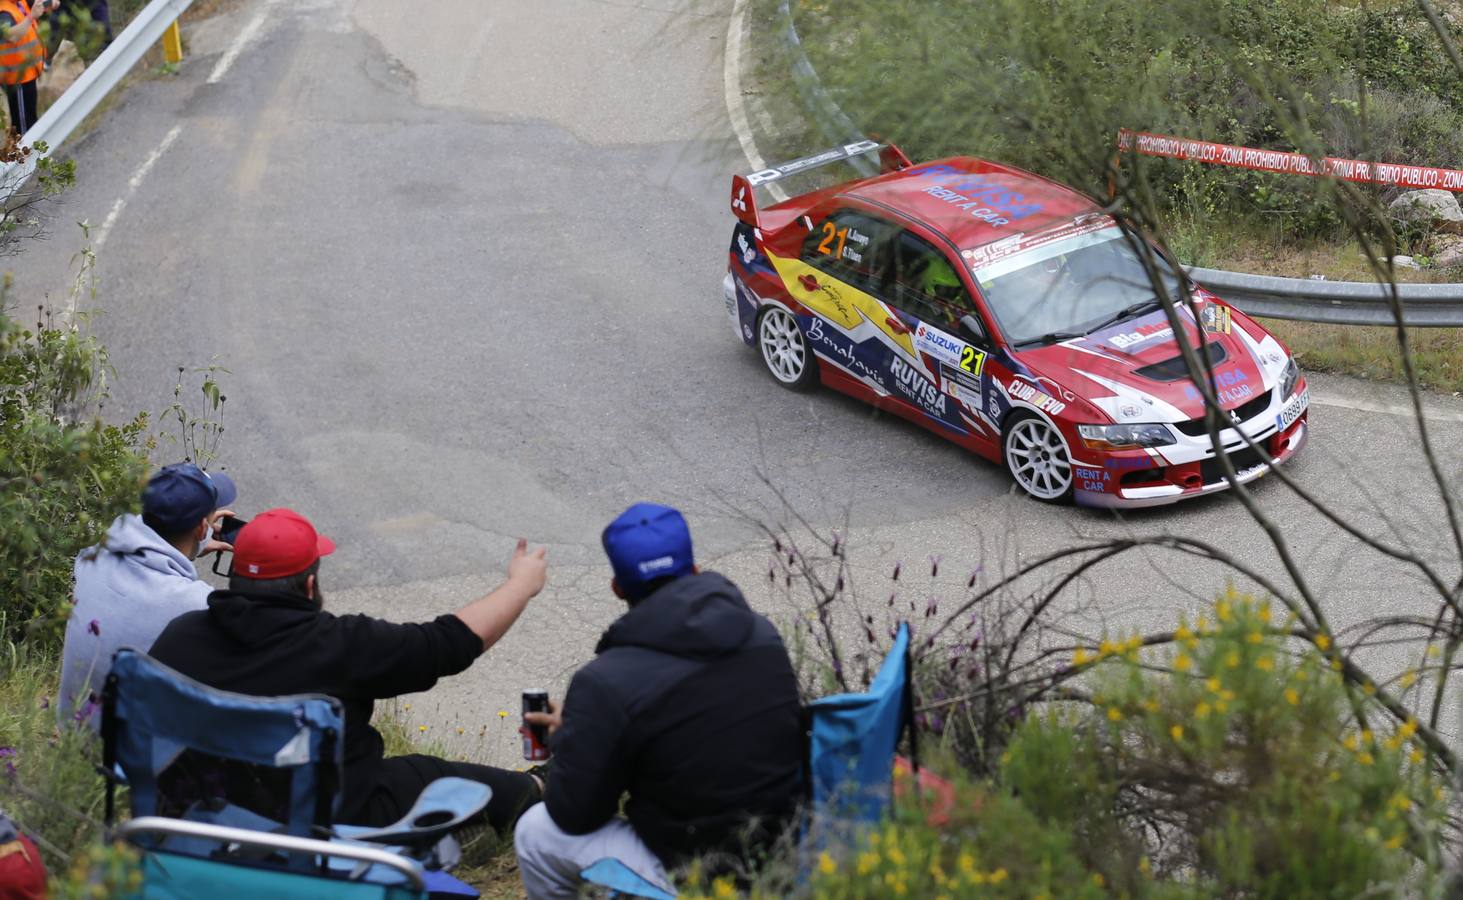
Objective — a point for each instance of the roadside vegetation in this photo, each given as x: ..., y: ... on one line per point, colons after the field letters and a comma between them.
x: 1024, y: 83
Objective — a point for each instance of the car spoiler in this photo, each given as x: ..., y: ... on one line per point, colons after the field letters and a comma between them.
x: 744, y: 203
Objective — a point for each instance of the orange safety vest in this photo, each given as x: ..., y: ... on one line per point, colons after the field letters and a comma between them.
x: 21, y: 56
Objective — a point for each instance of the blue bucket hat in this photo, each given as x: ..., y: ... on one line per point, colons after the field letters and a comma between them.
x: 180, y: 495
x: 647, y: 542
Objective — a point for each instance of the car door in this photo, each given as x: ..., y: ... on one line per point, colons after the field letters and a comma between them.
x: 944, y: 374
x: 841, y: 258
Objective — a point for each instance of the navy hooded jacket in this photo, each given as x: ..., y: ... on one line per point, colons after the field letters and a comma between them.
x: 691, y: 706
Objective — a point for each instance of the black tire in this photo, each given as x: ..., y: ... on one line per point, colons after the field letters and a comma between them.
x: 784, y: 350
x: 1036, y: 453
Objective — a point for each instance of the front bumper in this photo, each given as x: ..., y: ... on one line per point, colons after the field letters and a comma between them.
x: 1134, y: 481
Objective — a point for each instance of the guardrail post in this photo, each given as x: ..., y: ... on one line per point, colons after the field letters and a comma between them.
x: 173, y: 43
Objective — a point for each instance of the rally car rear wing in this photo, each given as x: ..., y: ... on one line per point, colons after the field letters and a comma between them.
x: 744, y: 204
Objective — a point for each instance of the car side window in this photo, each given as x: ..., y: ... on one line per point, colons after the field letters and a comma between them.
x: 922, y: 282
x: 850, y: 246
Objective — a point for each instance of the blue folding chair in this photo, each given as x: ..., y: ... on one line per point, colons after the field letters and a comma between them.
x: 852, y: 739
x: 848, y: 767
x: 233, y: 795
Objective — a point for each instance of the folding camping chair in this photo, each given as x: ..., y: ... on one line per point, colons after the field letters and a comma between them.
x: 235, y: 795
x: 848, y: 767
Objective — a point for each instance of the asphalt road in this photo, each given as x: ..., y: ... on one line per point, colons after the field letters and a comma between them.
x: 465, y: 266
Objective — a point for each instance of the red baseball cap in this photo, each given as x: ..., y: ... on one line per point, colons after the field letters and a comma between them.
x: 278, y: 543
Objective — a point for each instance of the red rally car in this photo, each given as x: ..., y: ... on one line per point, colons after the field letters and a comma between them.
x: 1008, y: 314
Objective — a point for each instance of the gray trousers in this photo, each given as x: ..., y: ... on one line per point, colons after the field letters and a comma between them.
x: 550, y: 860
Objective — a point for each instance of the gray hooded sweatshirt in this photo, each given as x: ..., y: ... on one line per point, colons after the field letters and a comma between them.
x: 128, y: 589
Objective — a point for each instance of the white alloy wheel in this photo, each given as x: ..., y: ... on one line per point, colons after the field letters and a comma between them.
x: 784, y: 349
x: 1037, y: 456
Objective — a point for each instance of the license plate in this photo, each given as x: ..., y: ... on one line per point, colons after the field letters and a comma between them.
x: 1292, y: 410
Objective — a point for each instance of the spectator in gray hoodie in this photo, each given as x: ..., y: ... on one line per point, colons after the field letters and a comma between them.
x: 141, y: 577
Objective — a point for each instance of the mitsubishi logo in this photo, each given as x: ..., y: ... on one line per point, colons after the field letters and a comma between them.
x: 1234, y: 417
x: 739, y: 201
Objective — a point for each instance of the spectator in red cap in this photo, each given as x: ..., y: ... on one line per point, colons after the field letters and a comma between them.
x: 268, y: 635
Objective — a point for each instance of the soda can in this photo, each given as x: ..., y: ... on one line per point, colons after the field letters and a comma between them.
x: 535, y: 737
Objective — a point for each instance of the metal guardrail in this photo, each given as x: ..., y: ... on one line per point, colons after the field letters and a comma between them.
x: 87, y: 92
x: 1335, y: 302
x: 1299, y: 299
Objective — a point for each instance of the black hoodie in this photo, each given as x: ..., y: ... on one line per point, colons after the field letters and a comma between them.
x: 268, y: 644
x: 692, y: 707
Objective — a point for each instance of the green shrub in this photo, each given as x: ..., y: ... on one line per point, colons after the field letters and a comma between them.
x: 64, y: 473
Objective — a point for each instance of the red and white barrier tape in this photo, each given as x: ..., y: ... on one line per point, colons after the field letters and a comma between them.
x: 1289, y: 163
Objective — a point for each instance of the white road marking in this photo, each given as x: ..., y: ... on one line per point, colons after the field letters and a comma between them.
x: 1390, y: 409
x: 222, y: 67
x: 736, y: 109
x: 133, y: 184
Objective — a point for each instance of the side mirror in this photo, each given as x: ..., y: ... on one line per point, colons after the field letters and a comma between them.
x: 973, y: 329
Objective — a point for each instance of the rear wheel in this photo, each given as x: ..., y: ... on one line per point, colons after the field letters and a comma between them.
x: 785, y: 350
x: 1037, y: 457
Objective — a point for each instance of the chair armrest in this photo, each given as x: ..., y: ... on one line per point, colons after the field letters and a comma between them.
x: 442, y: 807
x: 286, y: 843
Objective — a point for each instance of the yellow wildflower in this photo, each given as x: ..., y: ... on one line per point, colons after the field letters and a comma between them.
x: 977, y: 877
x: 1434, y: 651
x: 1408, y: 678
x: 1369, y: 689
x: 1097, y: 879
x: 1323, y: 641
x: 826, y: 865
x: 1232, y: 661
x: 1081, y: 657
x: 867, y: 862
x: 1107, y: 648
x: 723, y: 888
x: 1221, y: 609
x: 1226, y: 695
x: 896, y: 856
x: 1150, y: 705
x: 421, y: 728
x: 1202, y: 710
x: 406, y: 706
x: 1254, y: 637
x: 1394, y: 841
x: 1212, y: 684
x: 1336, y: 665
x: 1350, y: 743
x: 1367, y: 736
x: 1402, y: 802
x: 1177, y: 731
x: 1300, y: 675
x: 1182, y: 662
x: 1292, y: 697
x: 1365, y: 758
x: 1408, y: 728
x: 1145, y: 866
x: 998, y: 876
x: 502, y: 713
x: 1183, y: 633
x: 1265, y: 664
x: 1202, y: 625
x: 1263, y: 613
x: 1114, y: 714
x: 936, y: 872
x: 967, y: 863
x: 1220, y: 706
x: 1416, y: 755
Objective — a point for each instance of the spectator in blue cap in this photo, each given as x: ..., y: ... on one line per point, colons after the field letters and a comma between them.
x: 140, y: 577
x: 691, y: 708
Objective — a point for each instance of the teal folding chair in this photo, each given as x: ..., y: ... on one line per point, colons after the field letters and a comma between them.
x: 233, y: 795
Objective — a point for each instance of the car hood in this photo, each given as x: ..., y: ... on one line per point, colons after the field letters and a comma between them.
x: 1133, y: 371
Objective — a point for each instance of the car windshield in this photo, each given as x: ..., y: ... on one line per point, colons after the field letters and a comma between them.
x: 1070, y: 287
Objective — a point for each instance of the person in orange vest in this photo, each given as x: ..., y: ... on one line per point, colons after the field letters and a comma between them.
x: 22, y: 58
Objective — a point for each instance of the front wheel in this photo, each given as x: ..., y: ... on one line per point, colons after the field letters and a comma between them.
x: 1036, y: 455
x: 785, y: 350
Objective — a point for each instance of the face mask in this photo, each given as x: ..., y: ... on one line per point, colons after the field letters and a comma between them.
x: 207, y: 536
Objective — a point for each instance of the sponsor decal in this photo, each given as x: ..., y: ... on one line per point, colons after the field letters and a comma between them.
x: 739, y: 202
x: 917, y: 387
x: 843, y: 349
x: 1230, y: 387
x: 1141, y: 335
x: 748, y: 254
x: 808, y: 162
x: 1042, y: 401
x: 938, y: 344
x: 1292, y: 410
x: 982, y: 196
x: 1215, y: 319
x: 747, y: 331
x: 1092, y: 479
x: 962, y: 386
x: 1131, y: 463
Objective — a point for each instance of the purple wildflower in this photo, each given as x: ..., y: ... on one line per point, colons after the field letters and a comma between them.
x: 933, y: 607
x: 8, y: 753
x: 935, y: 564
x: 973, y: 574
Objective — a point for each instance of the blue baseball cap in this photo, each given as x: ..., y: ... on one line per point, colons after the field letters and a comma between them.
x: 647, y: 542
x: 180, y: 495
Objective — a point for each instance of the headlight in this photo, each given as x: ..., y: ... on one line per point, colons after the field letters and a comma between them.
x: 1289, y: 378
x: 1124, y: 437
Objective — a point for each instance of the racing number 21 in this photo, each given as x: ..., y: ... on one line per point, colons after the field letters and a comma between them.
x: 830, y: 231
x: 972, y: 360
